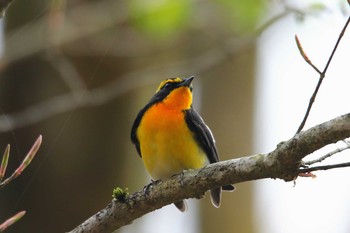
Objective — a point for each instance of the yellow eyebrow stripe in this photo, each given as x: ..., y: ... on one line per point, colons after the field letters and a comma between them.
x: 170, y: 80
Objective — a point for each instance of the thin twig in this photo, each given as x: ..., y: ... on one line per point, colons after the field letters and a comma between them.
x: 322, y: 76
x: 324, y: 167
x: 68, y: 72
x: 97, y: 96
x: 336, y: 45
x: 80, y: 96
x: 4, y: 4
x: 272, y: 21
x: 338, y: 150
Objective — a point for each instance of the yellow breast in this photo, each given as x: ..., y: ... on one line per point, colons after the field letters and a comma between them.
x: 167, y: 145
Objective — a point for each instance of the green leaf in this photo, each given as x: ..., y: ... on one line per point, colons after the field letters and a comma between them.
x: 242, y: 15
x: 160, y: 18
x: 317, y: 6
x: 4, y: 162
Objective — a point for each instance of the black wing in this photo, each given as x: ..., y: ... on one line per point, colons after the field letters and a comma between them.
x: 205, y: 139
x: 133, y: 135
x: 202, y: 134
x: 136, y: 124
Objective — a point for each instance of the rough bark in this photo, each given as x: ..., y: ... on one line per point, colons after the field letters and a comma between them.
x: 282, y: 163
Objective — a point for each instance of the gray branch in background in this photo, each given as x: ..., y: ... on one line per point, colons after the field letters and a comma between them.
x: 4, y: 4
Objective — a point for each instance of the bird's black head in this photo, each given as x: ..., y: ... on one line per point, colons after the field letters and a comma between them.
x: 168, y: 85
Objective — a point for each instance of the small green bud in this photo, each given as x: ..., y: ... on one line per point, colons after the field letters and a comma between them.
x: 120, y: 194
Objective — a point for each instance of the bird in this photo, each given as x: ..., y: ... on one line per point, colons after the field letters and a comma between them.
x: 170, y: 136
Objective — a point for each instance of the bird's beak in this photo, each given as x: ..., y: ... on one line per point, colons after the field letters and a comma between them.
x: 187, y: 81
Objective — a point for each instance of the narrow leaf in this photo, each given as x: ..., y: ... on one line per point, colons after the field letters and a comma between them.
x: 11, y: 220
x: 301, y: 50
x: 4, y: 162
x: 29, y: 157
x: 303, y: 54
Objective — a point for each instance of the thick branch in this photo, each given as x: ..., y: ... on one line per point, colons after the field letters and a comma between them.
x: 282, y: 163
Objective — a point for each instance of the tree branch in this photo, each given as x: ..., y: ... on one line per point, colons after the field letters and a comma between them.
x: 4, y: 4
x: 282, y: 163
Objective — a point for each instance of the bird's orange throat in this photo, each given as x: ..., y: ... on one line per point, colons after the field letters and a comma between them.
x: 180, y: 98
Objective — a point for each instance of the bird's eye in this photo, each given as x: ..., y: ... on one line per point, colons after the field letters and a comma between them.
x: 167, y: 86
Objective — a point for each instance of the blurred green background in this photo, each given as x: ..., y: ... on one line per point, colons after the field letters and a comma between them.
x: 78, y: 71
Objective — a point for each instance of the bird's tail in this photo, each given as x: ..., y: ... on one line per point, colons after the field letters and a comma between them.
x: 215, y: 194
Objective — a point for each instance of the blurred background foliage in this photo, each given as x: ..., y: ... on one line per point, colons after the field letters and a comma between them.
x: 78, y: 71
